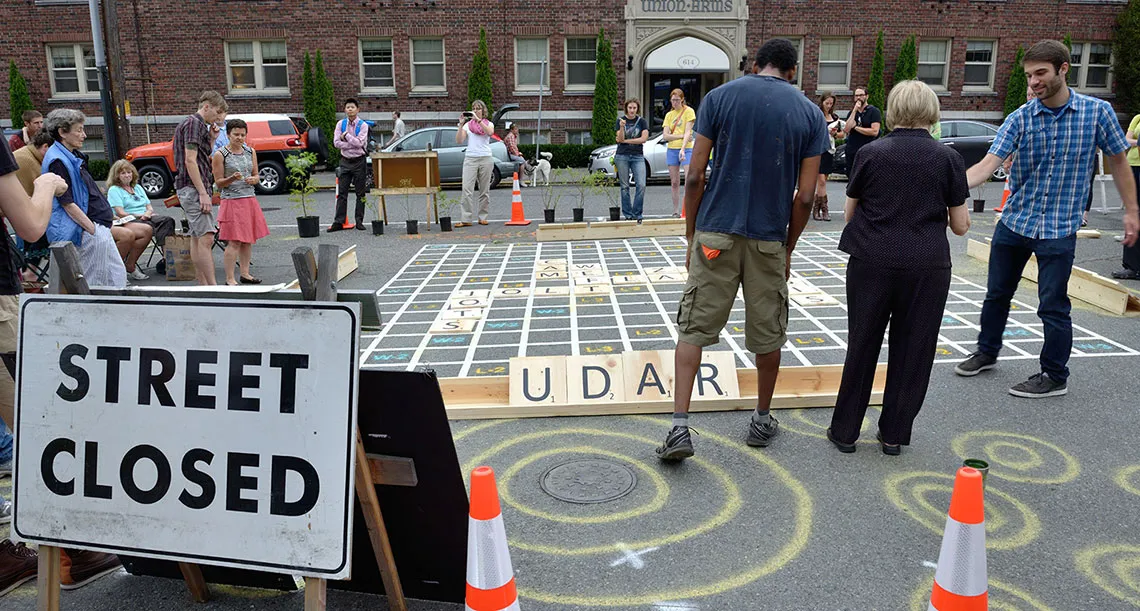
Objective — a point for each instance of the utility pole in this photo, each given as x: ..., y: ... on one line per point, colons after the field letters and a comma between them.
x: 118, y: 79
x: 538, y: 129
x: 110, y: 142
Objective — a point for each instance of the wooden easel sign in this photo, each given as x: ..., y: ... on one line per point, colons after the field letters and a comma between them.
x: 227, y: 436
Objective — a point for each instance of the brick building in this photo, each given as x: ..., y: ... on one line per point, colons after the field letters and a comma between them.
x: 413, y: 55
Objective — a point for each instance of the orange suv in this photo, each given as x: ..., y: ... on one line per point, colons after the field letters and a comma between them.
x: 273, y: 137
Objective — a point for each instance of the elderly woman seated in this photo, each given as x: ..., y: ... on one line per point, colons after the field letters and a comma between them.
x: 82, y: 214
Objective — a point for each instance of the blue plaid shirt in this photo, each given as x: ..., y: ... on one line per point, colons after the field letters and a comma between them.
x: 1052, y: 173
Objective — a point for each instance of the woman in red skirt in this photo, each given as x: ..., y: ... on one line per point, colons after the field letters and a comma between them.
x: 240, y: 222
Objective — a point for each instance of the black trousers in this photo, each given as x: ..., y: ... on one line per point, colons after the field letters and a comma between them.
x: 912, y: 301
x: 1131, y: 258
x: 353, y: 175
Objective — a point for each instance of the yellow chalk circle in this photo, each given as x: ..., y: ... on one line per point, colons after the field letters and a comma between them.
x: 1018, y: 458
x: 660, y: 495
x: 1115, y: 568
x: 804, y: 422
x: 1002, y: 597
x: 1009, y: 522
x: 1129, y: 479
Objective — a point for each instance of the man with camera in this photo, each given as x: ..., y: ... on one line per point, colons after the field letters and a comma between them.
x: 862, y: 126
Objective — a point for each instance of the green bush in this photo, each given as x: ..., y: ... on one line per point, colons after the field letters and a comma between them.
x: 1015, y: 88
x: 876, y: 89
x: 479, y: 83
x: 98, y: 169
x: 906, y: 68
x: 1126, y: 57
x: 18, y: 98
x: 606, y: 99
x: 319, y: 102
x: 563, y: 155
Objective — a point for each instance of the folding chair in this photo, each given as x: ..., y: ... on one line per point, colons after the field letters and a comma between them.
x: 34, y: 257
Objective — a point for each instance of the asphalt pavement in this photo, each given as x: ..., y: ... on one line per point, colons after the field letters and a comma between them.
x: 794, y: 526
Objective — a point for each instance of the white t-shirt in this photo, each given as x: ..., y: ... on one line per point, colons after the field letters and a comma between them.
x: 478, y: 146
x: 399, y: 129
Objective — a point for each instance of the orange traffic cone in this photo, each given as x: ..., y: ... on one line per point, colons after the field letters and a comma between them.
x: 960, y: 581
x: 518, y: 217
x: 1004, y: 196
x: 490, y: 578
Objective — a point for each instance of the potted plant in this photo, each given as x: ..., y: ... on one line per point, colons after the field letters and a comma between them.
x: 302, y: 187
x: 377, y: 221
x: 409, y: 209
x: 602, y: 186
x: 447, y: 204
x: 979, y: 201
x: 550, y: 198
x: 584, y: 186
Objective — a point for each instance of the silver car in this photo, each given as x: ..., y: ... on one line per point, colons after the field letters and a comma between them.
x: 654, y: 149
x: 442, y: 140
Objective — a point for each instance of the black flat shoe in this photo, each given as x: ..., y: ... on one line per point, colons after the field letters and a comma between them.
x: 889, y: 450
x: 1126, y: 274
x: 245, y: 280
x: 846, y: 448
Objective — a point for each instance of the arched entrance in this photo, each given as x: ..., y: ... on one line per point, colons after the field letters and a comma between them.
x: 686, y: 63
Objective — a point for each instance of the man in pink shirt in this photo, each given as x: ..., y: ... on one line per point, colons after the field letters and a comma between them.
x: 351, y: 137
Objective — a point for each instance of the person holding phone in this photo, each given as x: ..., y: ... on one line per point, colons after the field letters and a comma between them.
x: 478, y: 164
x: 240, y: 221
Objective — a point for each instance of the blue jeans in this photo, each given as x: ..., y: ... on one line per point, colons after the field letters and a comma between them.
x: 623, y: 164
x: 1009, y: 252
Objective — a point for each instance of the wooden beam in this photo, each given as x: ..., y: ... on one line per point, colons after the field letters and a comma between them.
x: 489, y: 396
x: 326, y: 272
x: 47, y: 579
x: 392, y: 470
x: 195, y: 582
x: 316, y: 593
x: 346, y: 263
x: 606, y: 230
x: 65, y: 264
x: 377, y: 532
x: 305, y: 265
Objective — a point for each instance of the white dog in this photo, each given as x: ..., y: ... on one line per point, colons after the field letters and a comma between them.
x: 539, y: 170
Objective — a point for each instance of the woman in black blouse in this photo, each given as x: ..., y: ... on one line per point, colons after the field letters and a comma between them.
x: 903, y: 191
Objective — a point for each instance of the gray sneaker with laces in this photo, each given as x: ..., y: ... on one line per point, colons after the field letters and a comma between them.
x: 760, y: 435
x: 678, y: 444
x: 1039, y: 386
x: 975, y: 364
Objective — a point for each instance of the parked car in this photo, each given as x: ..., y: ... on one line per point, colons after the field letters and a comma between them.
x: 273, y: 136
x: 442, y: 140
x: 972, y: 140
x: 654, y: 152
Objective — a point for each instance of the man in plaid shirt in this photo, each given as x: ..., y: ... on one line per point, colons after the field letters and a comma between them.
x: 1055, y: 138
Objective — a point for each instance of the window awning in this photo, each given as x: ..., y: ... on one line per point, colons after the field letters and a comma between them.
x: 687, y: 54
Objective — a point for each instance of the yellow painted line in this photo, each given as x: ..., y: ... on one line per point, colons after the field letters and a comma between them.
x: 992, y: 445
x: 475, y: 428
x: 819, y: 431
x: 1124, y: 479
x: 660, y: 495
x: 1121, y: 577
x: 1007, y: 515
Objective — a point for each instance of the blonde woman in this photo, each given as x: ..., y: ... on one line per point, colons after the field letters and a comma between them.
x: 903, y: 191
x: 478, y: 164
x: 678, y: 133
x: 127, y: 198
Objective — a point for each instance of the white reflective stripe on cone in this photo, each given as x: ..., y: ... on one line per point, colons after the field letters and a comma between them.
x: 513, y: 607
x: 962, y: 559
x: 488, y: 560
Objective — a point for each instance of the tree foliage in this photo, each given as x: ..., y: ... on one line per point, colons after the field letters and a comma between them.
x: 18, y: 98
x: 1015, y: 89
x: 605, y: 93
x: 906, y: 68
x: 319, y: 103
x: 1126, y: 57
x: 876, y: 88
x: 479, y: 84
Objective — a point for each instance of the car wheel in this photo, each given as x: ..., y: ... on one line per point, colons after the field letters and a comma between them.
x: 496, y: 178
x: 155, y: 180
x: 1000, y: 174
x: 271, y: 177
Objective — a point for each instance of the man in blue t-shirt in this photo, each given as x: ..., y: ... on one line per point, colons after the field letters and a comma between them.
x: 743, y: 225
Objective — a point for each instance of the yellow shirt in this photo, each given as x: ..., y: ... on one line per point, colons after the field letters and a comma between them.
x: 677, y: 120
x: 1134, y: 130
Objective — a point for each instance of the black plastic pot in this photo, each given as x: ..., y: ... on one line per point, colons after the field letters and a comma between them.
x: 615, y: 214
x: 445, y: 223
x: 979, y: 205
x: 548, y: 215
x: 413, y: 226
x: 308, y: 226
x: 377, y: 227
x: 579, y: 214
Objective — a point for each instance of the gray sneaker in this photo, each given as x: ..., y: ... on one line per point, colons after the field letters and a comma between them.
x: 1039, y: 386
x: 760, y: 435
x: 5, y: 511
x: 977, y: 363
x: 678, y: 444
x: 5, y: 468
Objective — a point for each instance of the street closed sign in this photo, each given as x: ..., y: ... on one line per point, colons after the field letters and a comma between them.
x: 210, y: 431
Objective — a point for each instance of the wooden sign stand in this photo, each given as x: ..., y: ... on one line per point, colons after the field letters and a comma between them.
x: 317, y: 279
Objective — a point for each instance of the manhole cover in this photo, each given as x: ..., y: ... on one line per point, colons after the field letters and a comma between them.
x: 588, y: 481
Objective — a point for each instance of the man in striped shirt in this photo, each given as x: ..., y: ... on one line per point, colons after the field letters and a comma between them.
x: 1055, y: 138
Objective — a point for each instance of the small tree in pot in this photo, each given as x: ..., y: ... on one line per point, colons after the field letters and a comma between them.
x: 601, y: 185
x: 413, y: 225
x: 583, y: 186
x: 301, y: 182
x: 377, y: 220
x: 550, y: 197
x: 447, y: 205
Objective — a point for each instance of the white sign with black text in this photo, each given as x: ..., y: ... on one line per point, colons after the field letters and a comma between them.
x: 210, y: 431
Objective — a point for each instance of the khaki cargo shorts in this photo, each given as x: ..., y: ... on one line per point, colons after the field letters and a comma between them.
x: 718, y: 265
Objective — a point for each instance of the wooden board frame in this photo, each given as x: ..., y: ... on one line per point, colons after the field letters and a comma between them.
x: 429, y: 186
x: 484, y: 397
x: 608, y: 230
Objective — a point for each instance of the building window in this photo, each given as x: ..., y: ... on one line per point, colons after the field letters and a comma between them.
x: 581, y: 56
x: 531, y: 67
x: 529, y: 137
x: 979, y: 72
x: 257, y: 65
x: 798, y: 43
x: 1090, y: 68
x: 580, y: 137
x: 376, y: 67
x: 73, y: 72
x: 933, y: 59
x: 427, y: 64
x: 834, y: 62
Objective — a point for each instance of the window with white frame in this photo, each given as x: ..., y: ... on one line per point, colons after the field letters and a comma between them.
x: 933, y: 60
x: 834, y: 62
x: 979, y: 69
x: 376, y: 66
x: 528, y: 138
x: 581, y: 57
x: 1090, y: 66
x: 532, y: 68
x: 427, y: 64
x: 257, y: 65
x: 73, y: 72
x: 798, y: 43
x: 580, y: 137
